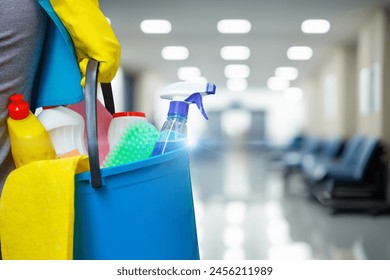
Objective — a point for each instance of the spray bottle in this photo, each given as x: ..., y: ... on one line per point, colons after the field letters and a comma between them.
x: 173, y: 134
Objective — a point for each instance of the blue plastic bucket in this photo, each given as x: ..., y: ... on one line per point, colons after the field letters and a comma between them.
x: 143, y: 210
x: 137, y: 211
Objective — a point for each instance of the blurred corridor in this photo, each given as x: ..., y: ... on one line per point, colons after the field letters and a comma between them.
x: 248, y: 207
x: 245, y: 211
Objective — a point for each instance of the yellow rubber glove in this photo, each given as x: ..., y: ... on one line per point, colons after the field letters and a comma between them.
x: 91, y: 34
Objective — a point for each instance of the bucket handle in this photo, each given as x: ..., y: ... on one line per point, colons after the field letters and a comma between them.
x: 91, y: 118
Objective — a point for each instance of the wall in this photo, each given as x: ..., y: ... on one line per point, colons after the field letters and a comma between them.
x: 331, y: 96
x: 312, y: 107
x: 348, y: 95
x: 386, y: 79
x: 370, y: 62
x: 351, y: 96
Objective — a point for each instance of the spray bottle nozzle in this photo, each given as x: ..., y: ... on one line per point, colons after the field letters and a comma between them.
x: 182, y: 90
x: 187, y: 92
x: 197, y: 99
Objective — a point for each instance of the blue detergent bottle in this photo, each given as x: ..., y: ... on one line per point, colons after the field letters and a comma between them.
x: 173, y: 133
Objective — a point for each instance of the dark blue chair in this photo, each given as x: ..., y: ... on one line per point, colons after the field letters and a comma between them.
x: 341, y: 168
x: 368, y: 171
x: 276, y: 154
x: 292, y: 161
x: 359, y: 182
x: 330, y: 150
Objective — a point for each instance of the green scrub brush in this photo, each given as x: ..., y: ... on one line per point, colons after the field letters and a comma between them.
x: 136, y: 143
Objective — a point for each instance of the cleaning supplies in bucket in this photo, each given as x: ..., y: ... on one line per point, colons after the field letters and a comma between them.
x: 136, y: 141
x: 29, y: 138
x: 65, y: 128
x: 174, y: 131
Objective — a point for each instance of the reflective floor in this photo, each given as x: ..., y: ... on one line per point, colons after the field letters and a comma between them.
x: 245, y: 211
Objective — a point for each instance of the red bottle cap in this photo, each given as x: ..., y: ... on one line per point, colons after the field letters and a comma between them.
x: 18, y: 108
x: 129, y: 114
x: 49, y: 107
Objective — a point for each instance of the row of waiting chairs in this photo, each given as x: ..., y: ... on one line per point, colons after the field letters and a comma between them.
x: 349, y: 174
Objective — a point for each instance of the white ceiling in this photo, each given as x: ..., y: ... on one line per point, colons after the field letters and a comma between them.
x: 275, y: 27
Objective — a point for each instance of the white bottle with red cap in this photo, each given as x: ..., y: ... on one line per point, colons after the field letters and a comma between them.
x: 120, y: 122
x: 66, y: 129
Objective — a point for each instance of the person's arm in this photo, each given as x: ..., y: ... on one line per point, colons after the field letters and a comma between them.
x: 91, y: 34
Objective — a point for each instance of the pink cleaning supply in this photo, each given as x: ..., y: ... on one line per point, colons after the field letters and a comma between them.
x: 103, y: 120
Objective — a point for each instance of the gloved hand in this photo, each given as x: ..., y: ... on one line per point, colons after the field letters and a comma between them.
x: 91, y: 34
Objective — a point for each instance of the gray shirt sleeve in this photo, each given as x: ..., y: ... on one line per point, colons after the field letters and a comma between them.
x: 22, y: 32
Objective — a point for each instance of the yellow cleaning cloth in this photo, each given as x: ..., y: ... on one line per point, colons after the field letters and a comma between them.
x: 37, y: 210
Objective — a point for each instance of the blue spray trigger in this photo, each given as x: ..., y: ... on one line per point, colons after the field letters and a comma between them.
x: 196, y: 98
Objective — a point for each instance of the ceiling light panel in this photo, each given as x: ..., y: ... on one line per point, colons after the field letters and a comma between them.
x: 236, y: 26
x: 235, y: 53
x: 156, y: 26
x: 287, y: 73
x: 237, y: 71
x: 175, y: 53
x: 299, y: 53
x: 316, y: 26
x: 189, y: 73
x: 278, y: 84
x: 237, y: 84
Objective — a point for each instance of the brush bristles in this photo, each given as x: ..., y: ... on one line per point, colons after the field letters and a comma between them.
x: 136, y: 143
